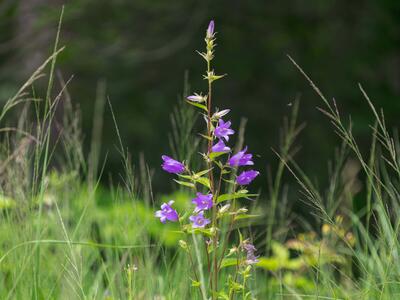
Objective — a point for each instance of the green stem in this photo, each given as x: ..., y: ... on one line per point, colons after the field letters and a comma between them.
x: 211, y: 178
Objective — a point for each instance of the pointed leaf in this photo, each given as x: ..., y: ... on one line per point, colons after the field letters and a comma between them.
x: 225, y: 197
x: 204, y: 181
x: 229, y: 262
x: 186, y: 176
x: 214, y: 155
x: 184, y: 183
x: 241, y: 217
x: 201, y: 173
x: 206, y: 137
x: 198, y: 105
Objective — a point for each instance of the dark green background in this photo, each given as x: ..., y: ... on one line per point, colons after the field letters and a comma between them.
x: 143, y: 48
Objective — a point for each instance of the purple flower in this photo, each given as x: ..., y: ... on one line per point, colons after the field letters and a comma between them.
x: 246, y: 177
x: 241, y: 159
x: 210, y: 30
x: 171, y: 165
x: 220, y: 147
x: 167, y: 213
x: 223, y: 130
x: 198, y: 221
x: 250, y: 249
x: 203, y: 202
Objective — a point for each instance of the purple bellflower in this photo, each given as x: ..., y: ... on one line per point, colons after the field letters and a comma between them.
x: 167, y: 212
x: 198, y: 221
x: 171, y: 165
x: 220, y: 147
x: 246, y: 177
x: 210, y: 30
x: 241, y: 159
x: 203, y: 202
x: 250, y: 257
x: 223, y: 130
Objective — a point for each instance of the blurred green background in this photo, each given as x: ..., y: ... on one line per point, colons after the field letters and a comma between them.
x: 142, y: 49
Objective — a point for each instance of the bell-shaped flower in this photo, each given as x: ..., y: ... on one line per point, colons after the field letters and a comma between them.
x: 241, y: 159
x: 223, y: 130
x: 203, y: 202
x: 198, y: 221
x: 220, y: 147
x: 171, y: 165
x: 167, y: 212
x: 246, y: 177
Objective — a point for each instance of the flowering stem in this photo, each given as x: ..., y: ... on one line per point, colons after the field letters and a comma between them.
x: 211, y: 178
x: 230, y: 228
x: 208, y: 263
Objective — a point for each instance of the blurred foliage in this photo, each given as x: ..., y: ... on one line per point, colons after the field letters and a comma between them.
x: 143, y: 48
x: 123, y: 221
x: 297, y: 257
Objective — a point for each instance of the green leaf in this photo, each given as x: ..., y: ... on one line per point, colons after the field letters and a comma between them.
x: 228, y: 181
x: 206, y: 137
x: 222, y: 295
x: 204, y: 181
x: 236, y: 286
x: 229, y: 262
x: 195, y: 283
x: 242, y: 191
x: 270, y: 264
x: 198, y: 105
x: 201, y: 173
x: 214, y: 155
x: 241, y: 217
x: 186, y: 176
x: 247, y: 296
x: 184, y: 183
x: 225, y: 197
x: 202, y: 231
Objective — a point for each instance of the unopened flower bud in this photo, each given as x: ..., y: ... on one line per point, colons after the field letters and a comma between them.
x: 242, y: 210
x: 224, y: 208
x: 232, y: 251
x: 183, y: 244
x: 210, y: 30
x: 220, y: 114
x: 197, y: 98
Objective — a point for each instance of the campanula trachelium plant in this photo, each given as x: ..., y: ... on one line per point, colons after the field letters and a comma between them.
x: 212, y: 209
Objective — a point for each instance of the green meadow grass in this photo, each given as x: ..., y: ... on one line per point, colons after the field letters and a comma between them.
x: 63, y: 236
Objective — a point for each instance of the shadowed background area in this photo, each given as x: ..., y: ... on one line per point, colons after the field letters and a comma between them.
x: 142, y: 50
